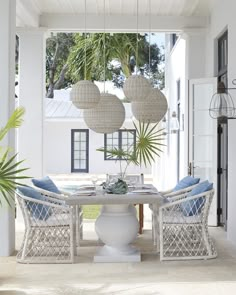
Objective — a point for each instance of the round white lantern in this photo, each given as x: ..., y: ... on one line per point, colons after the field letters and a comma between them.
x: 85, y: 95
x: 108, y: 116
x: 152, y: 109
x: 136, y: 88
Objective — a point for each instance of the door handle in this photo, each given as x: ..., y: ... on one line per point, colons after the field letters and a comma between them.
x: 189, y: 168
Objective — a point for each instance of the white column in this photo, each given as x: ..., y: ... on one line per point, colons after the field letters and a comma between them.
x: 7, y: 99
x: 31, y: 97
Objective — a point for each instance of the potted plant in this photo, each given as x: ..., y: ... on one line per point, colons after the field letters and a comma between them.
x: 10, y: 170
x: 148, y: 145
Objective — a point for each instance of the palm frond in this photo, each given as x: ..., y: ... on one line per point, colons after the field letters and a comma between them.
x: 148, y: 142
x: 9, y: 176
x: 13, y: 122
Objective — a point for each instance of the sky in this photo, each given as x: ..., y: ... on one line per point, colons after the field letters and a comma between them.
x: 158, y: 38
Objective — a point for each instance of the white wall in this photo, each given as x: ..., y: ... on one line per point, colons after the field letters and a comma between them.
x: 57, y: 149
x: 222, y: 18
x: 185, y: 61
x: 165, y: 169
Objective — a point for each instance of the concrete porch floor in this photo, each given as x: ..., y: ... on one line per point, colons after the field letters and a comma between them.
x: 217, y: 276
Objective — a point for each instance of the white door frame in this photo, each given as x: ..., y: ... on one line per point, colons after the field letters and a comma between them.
x: 192, y: 83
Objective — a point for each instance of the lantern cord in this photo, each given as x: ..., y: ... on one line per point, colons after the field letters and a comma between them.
x: 149, y: 39
x: 104, y: 44
x: 85, y: 40
x: 137, y: 38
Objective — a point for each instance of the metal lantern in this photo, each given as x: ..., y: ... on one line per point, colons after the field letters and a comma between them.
x: 108, y: 116
x: 152, y: 109
x: 85, y: 95
x: 222, y: 104
x: 136, y: 88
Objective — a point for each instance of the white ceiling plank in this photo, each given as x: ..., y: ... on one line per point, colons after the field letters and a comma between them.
x: 120, y: 23
x: 29, y: 10
x: 121, y: 6
x: 37, y: 5
x: 114, y: 5
x: 27, y: 13
x: 179, y: 6
x: 159, y: 7
x: 195, y: 5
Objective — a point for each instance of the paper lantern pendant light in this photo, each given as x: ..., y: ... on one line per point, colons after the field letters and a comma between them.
x: 108, y: 116
x: 85, y: 95
x: 136, y: 88
x: 152, y: 109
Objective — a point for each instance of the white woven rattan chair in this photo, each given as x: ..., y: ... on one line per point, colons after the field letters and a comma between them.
x: 78, y: 211
x: 183, y: 225
x: 49, y: 230
x: 167, y: 195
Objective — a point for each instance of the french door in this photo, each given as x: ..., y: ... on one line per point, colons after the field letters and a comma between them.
x: 203, y: 136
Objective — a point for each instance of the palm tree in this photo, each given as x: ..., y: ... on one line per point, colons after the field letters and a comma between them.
x: 10, y: 171
x: 86, y: 59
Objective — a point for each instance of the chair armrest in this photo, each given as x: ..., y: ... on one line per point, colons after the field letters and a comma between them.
x: 184, y: 199
x: 49, y: 194
x: 179, y: 192
x: 176, y: 197
x: 167, y: 192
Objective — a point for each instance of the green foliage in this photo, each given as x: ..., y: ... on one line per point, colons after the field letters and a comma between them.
x: 13, y: 122
x: 148, y: 145
x: 87, y: 58
x: 119, y: 187
x: 71, y: 57
x: 57, y: 51
x: 148, y: 142
x: 10, y: 171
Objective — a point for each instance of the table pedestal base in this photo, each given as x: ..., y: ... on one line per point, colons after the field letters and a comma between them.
x: 117, y: 226
x: 110, y: 254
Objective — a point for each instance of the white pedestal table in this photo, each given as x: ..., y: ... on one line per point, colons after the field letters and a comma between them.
x: 117, y: 225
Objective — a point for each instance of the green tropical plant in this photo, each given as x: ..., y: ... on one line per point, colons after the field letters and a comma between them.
x: 10, y: 171
x: 148, y: 145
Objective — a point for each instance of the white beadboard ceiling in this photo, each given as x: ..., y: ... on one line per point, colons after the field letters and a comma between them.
x: 35, y: 13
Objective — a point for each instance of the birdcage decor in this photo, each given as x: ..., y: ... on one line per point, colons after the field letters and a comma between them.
x: 222, y: 105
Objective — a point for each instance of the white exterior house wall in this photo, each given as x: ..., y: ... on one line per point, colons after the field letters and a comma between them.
x: 222, y: 19
x: 201, y: 62
x: 175, y: 70
x: 57, y: 149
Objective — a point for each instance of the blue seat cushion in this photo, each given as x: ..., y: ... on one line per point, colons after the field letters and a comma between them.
x: 39, y: 211
x: 193, y: 207
x: 47, y: 184
x: 186, y: 182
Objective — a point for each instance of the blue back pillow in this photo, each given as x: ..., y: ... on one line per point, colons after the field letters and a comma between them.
x: 186, y: 182
x: 193, y: 207
x: 47, y: 184
x: 38, y: 211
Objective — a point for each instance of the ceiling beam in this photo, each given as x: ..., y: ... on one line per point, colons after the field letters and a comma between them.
x: 121, y: 23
